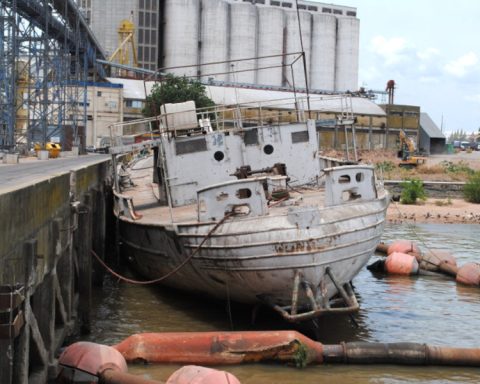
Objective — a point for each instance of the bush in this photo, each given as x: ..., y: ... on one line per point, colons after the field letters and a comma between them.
x: 471, y: 190
x: 460, y: 167
x: 412, y: 190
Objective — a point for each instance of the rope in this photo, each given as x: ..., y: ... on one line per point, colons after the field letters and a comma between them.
x: 413, y: 231
x: 172, y: 272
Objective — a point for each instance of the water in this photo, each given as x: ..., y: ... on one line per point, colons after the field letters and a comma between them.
x: 433, y: 310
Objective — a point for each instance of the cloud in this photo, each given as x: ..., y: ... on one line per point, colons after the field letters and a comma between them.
x: 461, y: 66
x: 392, y: 50
x: 428, y: 54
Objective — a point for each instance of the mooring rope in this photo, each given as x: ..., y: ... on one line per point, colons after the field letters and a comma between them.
x: 412, y: 230
x: 172, y: 272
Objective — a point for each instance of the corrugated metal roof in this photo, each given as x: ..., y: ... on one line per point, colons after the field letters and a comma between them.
x: 135, y: 89
x: 430, y: 127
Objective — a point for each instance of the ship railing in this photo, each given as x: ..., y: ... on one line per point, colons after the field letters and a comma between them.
x: 229, y: 118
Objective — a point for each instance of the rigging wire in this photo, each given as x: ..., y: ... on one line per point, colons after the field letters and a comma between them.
x: 172, y: 272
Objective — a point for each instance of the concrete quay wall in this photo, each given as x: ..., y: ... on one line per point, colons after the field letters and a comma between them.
x: 47, y: 231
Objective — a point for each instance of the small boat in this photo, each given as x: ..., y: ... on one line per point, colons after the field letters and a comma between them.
x: 242, y: 206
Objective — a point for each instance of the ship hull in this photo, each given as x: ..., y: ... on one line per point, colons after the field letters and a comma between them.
x: 248, y: 259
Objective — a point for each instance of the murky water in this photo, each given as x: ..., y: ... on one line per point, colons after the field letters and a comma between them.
x: 425, y: 309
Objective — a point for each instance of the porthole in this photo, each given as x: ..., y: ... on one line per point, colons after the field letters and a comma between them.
x: 359, y: 177
x: 244, y: 193
x: 268, y: 149
x: 219, y: 155
x: 344, y: 179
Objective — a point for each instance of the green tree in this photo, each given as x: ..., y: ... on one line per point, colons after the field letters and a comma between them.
x: 174, y: 89
x: 459, y: 135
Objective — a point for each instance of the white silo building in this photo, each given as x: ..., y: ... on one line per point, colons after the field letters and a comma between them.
x: 199, y: 38
x: 247, y: 29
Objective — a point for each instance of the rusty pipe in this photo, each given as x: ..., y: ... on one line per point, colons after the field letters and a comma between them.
x: 111, y: 376
x: 400, y: 353
x: 220, y: 348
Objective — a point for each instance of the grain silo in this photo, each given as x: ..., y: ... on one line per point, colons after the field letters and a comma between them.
x: 322, y: 62
x: 181, y: 27
x: 243, y: 41
x: 214, y: 39
x: 270, y: 42
x: 346, y: 64
x: 292, y: 45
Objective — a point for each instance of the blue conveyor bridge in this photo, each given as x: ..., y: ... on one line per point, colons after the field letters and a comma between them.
x: 47, y: 54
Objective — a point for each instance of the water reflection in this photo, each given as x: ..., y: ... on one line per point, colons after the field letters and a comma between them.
x: 426, y: 309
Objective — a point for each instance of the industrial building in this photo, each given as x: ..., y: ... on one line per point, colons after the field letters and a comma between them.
x: 263, y: 34
x: 432, y: 140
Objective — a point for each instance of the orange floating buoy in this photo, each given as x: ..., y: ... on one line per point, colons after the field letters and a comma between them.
x: 434, y: 258
x: 398, y: 263
x: 193, y: 374
x: 469, y: 274
x: 404, y: 246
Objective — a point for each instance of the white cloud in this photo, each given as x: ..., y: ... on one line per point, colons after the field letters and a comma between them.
x: 393, y: 50
x: 428, y: 54
x: 461, y: 66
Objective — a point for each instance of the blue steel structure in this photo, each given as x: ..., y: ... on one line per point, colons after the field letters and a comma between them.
x: 47, y: 55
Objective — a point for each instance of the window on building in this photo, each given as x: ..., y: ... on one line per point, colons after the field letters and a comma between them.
x: 134, y: 104
x: 337, y: 12
x: 351, y: 13
x: 275, y: 3
x: 312, y: 8
x: 154, y: 19
x: 148, y: 4
x: 147, y: 37
x: 140, y: 36
x: 141, y: 4
x: 99, y: 93
x: 287, y: 5
x: 260, y: 2
x: 326, y: 10
x: 154, y: 38
x: 141, y: 19
x: 302, y: 6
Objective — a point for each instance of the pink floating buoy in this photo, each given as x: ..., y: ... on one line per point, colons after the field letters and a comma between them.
x: 92, y: 358
x: 404, y: 246
x: 433, y: 258
x: 469, y: 274
x: 398, y: 263
x: 193, y: 374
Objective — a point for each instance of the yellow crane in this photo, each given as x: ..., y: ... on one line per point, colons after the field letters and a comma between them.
x: 126, y: 37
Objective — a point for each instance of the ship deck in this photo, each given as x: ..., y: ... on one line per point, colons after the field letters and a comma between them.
x: 145, y: 197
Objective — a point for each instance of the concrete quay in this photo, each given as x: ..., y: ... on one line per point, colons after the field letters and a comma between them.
x: 52, y: 214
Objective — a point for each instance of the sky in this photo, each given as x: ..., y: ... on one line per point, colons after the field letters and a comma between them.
x: 431, y: 48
